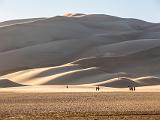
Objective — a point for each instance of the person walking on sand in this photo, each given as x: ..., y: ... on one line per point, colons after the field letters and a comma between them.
x: 97, y: 88
x: 134, y: 88
x: 129, y: 87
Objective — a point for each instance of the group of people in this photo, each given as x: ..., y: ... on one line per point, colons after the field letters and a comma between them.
x: 97, y: 88
x: 132, y: 88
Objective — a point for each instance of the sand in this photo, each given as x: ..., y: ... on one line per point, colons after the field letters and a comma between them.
x: 80, y: 106
x: 74, y: 88
x: 80, y: 49
x: 40, y: 56
x: 21, y: 21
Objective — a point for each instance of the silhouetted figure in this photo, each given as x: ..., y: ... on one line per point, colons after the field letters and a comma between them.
x: 97, y: 88
x: 134, y: 88
x: 131, y: 88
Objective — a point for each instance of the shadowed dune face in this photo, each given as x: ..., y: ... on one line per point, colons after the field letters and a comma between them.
x: 13, y: 22
x: 122, y: 83
x: 144, y: 62
x: 4, y: 83
x: 150, y: 81
x: 80, y: 49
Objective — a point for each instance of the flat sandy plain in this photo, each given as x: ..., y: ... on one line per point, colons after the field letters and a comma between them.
x: 80, y: 106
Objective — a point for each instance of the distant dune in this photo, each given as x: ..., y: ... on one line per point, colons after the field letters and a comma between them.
x: 21, y: 21
x: 79, y: 49
x: 4, y: 83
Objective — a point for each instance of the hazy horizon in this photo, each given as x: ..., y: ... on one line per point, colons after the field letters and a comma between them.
x: 21, y: 9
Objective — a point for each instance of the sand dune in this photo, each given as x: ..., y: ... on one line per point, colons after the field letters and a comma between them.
x: 22, y: 21
x: 79, y: 49
x: 124, y: 82
x: 150, y: 81
x: 123, y: 48
x: 5, y: 83
x: 73, y: 14
x: 74, y: 75
x: 144, y: 63
x: 60, y: 75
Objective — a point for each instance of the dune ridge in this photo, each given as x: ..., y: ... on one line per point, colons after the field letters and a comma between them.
x: 80, y: 49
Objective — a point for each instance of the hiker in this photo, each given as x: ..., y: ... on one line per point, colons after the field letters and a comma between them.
x: 131, y: 88
x: 134, y: 88
x: 97, y: 88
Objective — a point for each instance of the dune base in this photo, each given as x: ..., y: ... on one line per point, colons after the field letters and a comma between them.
x: 74, y: 88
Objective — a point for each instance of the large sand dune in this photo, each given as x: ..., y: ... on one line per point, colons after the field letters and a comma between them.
x: 79, y: 49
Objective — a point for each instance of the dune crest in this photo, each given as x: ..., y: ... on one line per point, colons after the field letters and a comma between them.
x: 80, y: 49
x: 73, y: 14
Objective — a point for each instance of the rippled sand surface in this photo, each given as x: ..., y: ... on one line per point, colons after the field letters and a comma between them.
x: 80, y: 106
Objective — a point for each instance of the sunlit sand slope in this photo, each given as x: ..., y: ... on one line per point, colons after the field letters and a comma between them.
x: 79, y: 49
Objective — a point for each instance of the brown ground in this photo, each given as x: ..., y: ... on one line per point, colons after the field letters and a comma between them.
x: 80, y: 106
